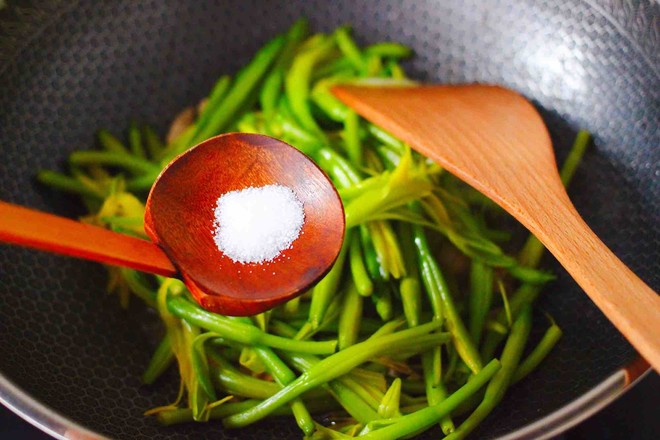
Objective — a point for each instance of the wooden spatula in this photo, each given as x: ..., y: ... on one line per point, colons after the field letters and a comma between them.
x: 493, y: 139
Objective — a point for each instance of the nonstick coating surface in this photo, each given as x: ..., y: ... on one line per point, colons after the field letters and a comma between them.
x: 68, y: 69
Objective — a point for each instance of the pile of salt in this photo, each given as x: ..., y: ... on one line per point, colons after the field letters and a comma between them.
x: 255, y: 225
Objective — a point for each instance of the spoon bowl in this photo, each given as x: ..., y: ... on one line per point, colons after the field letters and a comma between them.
x: 180, y: 219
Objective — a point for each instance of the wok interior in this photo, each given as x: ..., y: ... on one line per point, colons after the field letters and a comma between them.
x: 91, y: 65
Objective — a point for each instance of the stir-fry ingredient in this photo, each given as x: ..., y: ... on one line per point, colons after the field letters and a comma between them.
x: 424, y: 319
x: 254, y: 225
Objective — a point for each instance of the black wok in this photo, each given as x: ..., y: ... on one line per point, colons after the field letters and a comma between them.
x: 70, y: 357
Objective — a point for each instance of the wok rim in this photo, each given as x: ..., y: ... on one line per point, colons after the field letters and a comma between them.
x: 607, y: 391
x: 50, y: 421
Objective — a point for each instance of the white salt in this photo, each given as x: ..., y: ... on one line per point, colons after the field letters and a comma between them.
x: 256, y: 224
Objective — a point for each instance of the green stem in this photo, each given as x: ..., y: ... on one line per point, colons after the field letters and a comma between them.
x: 435, y: 388
x: 184, y: 415
x: 340, y: 389
x: 443, y: 304
x: 349, y: 318
x: 110, y: 143
x: 110, y: 158
x: 410, y: 287
x: 550, y: 338
x: 327, y: 288
x: 363, y: 283
x: 246, y: 81
x: 284, y: 376
x: 153, y: 143
x: 352, y: 138
x: 423, y: 419
x: 239, y: 332
x: 345, y: 394
x: 161, y: 359
x: 348, y: 47
x: 497, y: 387
x: 68, y: 184
x: 298, y: 79
x: 389, y: 50
x: 234, y: 382
x: 135, y: 140
x: 481, y: 297
x: 337, y: 365
x: 340, y: 169
x: 523, y: 297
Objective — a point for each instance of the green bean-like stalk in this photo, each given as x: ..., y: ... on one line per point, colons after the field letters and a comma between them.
x: 425, y: 418
x: 338, y: 365
x: 497, y: 387
x: 542, y: 349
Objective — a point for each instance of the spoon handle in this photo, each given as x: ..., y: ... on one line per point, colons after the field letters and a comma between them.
x: 631, y: 305
x: 50, y: 233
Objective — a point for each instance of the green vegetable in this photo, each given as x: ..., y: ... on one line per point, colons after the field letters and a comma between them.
x: 342, y: 390
x: 337, y: 365
x: 363, y: 283
x: 435, y: 388
x: 245, y: 82
x: 350, y: 317
x: 232, y: 381
x: 133, y: 164
x: 326, y: 288
x: 542, y: 349
x: 110, y: 142
x: 153, y: 143
x: 161, y: 359
x: 425, y: 418
x: 513, y: 349
x: 284, y: 376
x: 240, y: 332
x: 297, y: 81
x: 443, y: 304
x: 349, y: 48
x: 351, y: 137
x: 135, y: 140
x: 70, y: 184
x: 389, y: 406
x: 481, y: 297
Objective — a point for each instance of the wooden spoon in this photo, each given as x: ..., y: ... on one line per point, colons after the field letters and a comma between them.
x: 180, y: 219
x: 494, y: 139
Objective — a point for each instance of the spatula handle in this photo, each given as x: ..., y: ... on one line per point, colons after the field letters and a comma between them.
x: 50, y: 233
x: 631, y: 305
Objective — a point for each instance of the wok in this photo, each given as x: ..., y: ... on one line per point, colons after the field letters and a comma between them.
x: 70, y: 357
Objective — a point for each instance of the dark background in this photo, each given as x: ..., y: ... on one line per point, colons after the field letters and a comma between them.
x: 635, y: 416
